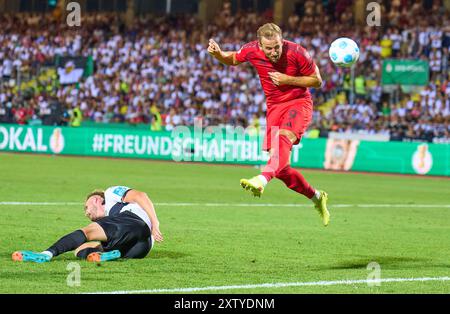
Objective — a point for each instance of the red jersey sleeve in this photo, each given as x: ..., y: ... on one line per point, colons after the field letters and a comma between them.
x: 305, y: 62
x: 243, y: 55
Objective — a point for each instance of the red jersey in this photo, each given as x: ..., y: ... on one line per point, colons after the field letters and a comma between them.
x: 294, y: 61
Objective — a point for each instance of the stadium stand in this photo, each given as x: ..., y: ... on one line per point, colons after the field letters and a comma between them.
x: 158, y: 71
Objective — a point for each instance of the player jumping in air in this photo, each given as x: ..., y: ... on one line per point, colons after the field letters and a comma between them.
x: 124, y: 224
x: 286, y: 71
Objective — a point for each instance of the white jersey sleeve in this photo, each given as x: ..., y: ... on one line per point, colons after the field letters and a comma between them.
x: 115, y: 204
x: 115, y: 194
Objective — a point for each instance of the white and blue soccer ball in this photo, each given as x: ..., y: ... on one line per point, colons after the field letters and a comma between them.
x: 344, y: 52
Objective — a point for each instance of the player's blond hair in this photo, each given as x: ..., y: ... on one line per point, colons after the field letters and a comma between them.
x: 100, y: 193
x: 269, y: 31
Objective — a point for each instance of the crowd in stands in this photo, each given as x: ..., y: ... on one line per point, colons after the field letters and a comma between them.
x: 159, y: 72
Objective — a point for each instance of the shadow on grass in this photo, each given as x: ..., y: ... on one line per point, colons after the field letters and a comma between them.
x: 166, y: 254
x: 389, y: 262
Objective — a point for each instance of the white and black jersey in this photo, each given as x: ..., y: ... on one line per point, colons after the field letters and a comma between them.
x: 114, y: 204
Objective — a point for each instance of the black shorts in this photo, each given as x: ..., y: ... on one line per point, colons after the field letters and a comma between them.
x: 128, y: 233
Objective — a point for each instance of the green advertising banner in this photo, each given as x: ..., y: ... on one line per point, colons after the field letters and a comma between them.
x: 216, y: 146
x: 391, y: 157
x: 405, y: 72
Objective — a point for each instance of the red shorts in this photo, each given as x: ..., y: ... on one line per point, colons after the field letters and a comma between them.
x: 294, y: 115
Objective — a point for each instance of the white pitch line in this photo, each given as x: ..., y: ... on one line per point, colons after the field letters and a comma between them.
x: 40, y: 203
x: 239, y: 204
x: 276, y: 285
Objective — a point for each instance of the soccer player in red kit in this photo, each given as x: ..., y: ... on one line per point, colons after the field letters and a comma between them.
x: 286, y: 71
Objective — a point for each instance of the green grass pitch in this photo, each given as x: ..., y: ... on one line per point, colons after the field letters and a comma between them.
x: 214, y: 239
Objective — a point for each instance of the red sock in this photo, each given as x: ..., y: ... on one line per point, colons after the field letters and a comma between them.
x: 295, y: 181
x: 279, y: 158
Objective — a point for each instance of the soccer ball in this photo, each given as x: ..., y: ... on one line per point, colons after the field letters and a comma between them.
x: 344, y: 52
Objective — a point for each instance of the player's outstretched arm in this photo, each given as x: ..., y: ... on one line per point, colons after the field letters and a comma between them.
x: 225, y: 57
x: 314, y: 80
x: 142, y: 199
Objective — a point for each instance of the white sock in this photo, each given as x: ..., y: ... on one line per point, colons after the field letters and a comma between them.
x: 263, y: 179
x: 316, y: 196
x: 48, y: 253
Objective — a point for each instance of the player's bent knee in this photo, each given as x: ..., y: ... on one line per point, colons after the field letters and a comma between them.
x: 282, y: 172
x: 289, y: 134
x: 88, y: 232
x: 94, y: 232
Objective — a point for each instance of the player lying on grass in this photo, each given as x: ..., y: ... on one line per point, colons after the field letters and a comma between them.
x: 286, y: 71
x: 124, y: 225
